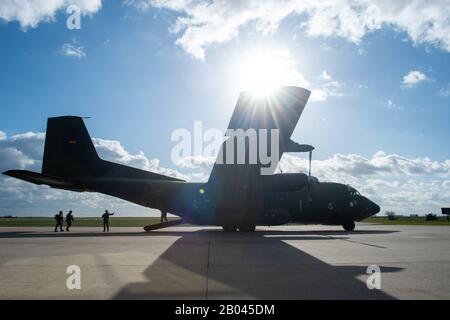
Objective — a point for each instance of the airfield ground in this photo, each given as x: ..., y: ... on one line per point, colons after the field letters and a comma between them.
x: 143, y: 221
x: 79, y: 221
x: 186, y: 262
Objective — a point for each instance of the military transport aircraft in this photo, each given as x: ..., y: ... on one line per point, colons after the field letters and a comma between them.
x: 236, y: 196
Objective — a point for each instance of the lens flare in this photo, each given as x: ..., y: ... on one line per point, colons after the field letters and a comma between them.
x: 262, y: 70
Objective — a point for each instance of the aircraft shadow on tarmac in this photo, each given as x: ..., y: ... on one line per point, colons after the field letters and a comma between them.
x: 214, y: 265
x: 72, y: 234
x: 76, y: 234
x: 210, y: 264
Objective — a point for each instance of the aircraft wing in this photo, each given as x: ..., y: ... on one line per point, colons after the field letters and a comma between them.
x: 279, y: 111
x: 237, y: 186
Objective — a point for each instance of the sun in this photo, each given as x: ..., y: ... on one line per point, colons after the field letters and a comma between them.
x: 262, y: 70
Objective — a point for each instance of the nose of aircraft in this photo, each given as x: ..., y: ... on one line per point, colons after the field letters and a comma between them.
x: 369, y: 208
x: 374, y: 207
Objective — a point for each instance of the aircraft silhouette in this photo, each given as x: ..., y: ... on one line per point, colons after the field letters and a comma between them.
x: 237, y: 194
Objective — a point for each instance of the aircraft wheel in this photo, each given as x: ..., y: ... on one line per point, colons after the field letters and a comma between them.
x: 247, y: 228
x: 349, y: 225
x: 229, y: 228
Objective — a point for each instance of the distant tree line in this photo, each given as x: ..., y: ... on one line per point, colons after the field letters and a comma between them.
x: 429, y: 217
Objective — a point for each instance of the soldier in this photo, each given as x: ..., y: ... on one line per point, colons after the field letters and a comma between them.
x: 59, y: 221
x: 105, y: 218
x: 69, y: 220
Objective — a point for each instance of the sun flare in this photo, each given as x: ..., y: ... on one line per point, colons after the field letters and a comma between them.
x: 262, y: 70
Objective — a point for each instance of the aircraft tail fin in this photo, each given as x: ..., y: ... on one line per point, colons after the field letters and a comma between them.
x: 72, y: 163
x: 68, y: 151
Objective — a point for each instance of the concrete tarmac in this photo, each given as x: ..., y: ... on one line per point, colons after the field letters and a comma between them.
x: 287, y: 262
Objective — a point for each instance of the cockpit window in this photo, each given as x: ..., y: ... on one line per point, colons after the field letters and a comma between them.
x: 353, y: 192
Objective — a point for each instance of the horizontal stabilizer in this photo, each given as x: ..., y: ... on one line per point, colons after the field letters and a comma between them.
x: 38, y: 178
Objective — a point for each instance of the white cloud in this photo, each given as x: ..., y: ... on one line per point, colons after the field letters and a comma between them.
x: 390, y: 104
x: 318, y: 95
x: 326, y: 90
x: 405, y: 185
x: 2, y: 135
x: 397, y: 183
x: 21, y: 151
x: 354, y: 165
x: 445, y: 92
x: 113, y: 151
x: 24, y: 151
x: 29, y: 13
x: 202, y: 24
x: 196, y: 162
x: 325, y: 76
x: 72, y: 50
x: 326, y: 47
x: 14, y: 158
x: 413, y: 78
x: 138, y: 4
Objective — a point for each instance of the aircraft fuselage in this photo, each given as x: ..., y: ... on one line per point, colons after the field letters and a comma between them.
x: 317, y: 202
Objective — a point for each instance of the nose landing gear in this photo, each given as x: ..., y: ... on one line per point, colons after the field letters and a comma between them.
x: 229, y: 228
x: 249, y: 228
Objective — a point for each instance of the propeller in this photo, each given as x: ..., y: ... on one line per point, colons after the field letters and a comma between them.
x: 310, y: 160
x: 308, y: 195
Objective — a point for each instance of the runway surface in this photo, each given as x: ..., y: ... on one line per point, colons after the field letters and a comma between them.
x: 288, y: 262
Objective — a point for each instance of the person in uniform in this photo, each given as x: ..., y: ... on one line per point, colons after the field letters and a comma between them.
x: 59, y: 217
x: 69, y: 220
x: 105, y: 218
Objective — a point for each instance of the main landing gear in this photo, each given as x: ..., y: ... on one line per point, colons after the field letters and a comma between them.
x: 349, y: 225
x: 241, y: 228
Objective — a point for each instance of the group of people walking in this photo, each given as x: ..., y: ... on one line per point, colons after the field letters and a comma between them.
x: 59, y: 218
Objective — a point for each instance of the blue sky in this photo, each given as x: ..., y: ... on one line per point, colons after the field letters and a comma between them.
x: 379, y: 72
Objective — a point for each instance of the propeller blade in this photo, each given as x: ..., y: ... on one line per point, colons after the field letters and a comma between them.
x: 310, y: 160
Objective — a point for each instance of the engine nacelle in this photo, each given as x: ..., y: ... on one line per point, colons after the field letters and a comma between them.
x: 275, y: 218
x: 285, y: 182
